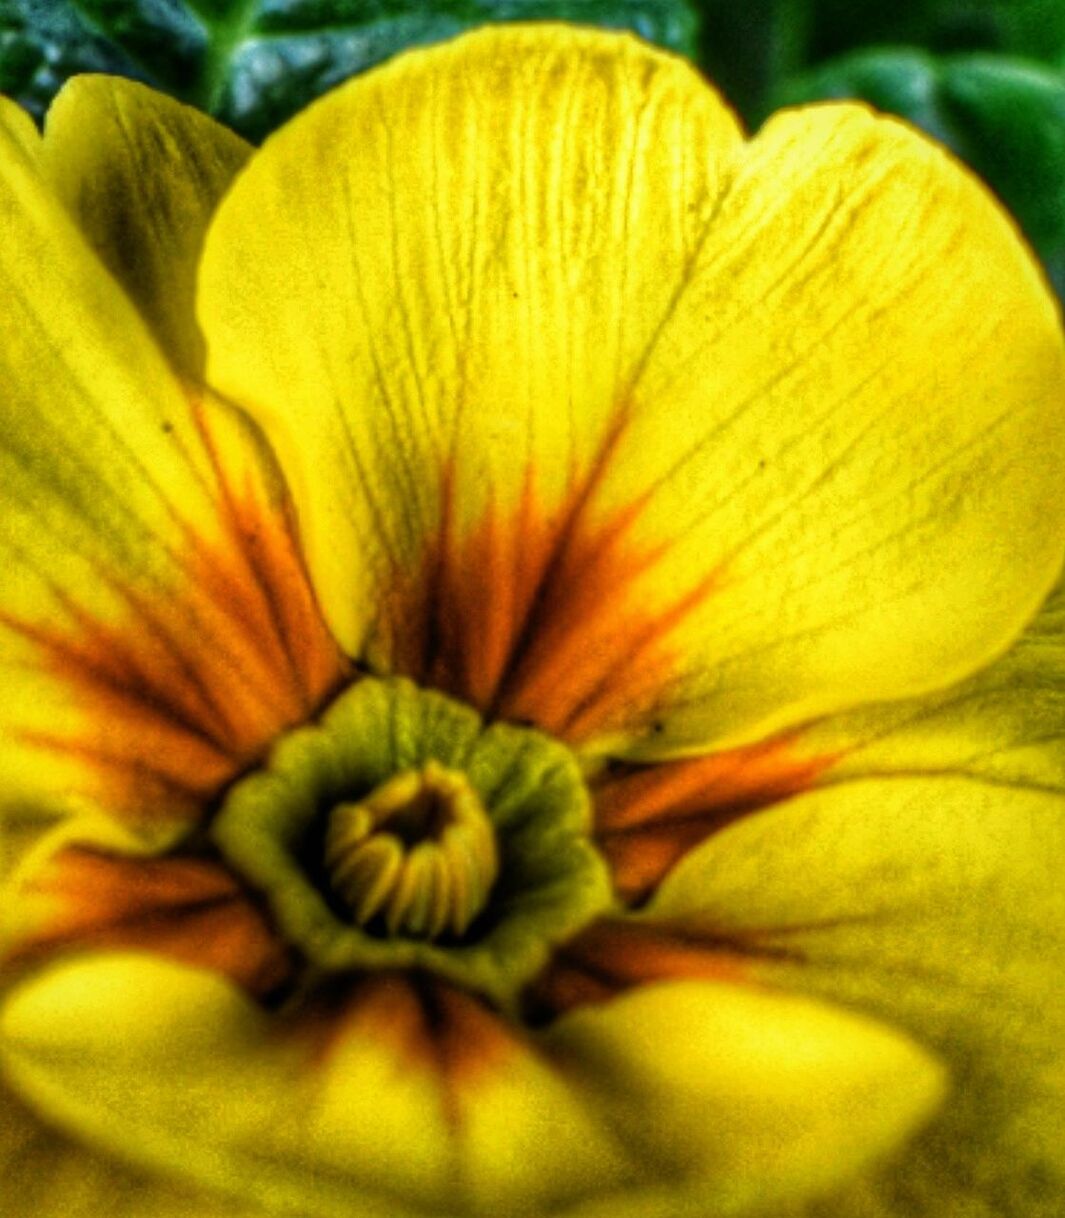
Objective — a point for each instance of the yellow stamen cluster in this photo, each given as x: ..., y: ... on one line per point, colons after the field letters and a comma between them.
x: 418, y: 854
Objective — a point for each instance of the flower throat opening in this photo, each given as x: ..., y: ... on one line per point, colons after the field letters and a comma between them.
x: 417, y: 856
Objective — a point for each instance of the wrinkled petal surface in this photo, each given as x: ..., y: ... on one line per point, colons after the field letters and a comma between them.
x: 602, y: 418
x: 156, y: 627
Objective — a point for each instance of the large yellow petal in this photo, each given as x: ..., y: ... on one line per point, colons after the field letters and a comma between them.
x: 413, y: 1098
x: 602, y: 418
x: 937, y: 905
x: 749, y: 1097
x: 142, y: 174
x: 156, y: 628
x: 428, y: 289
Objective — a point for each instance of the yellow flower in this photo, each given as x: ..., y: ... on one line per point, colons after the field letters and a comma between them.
x: 506, y: 702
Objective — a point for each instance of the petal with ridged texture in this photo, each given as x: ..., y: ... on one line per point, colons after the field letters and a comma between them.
x: 603, y: 419
x: 141, y: 175
x: 156, y: 626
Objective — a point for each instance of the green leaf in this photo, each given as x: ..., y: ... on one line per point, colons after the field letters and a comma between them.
x: 746, y: 47
x: 254, y: 63
x: 750, y: 48
x: 42, y: 44
x: 1005, y: 118
x: 1034, y: 28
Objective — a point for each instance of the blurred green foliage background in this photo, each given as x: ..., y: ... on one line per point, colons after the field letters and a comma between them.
x: 987, y: 77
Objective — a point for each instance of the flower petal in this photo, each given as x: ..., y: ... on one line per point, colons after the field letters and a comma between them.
x: 156, y: 627
x: 380, y: 1103
x: 878, y: 441
x: 45, y: 1175
x: 935, y: 904
x: 760, y: 1096
x: 1005, y: 724
x: 81, y: 896
x: 599, y: 418
x: 458, y: 258
x: 141, y: 174
x: 411, y: 1096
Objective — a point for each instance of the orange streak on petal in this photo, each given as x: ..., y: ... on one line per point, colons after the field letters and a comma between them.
x: 471, y: 1041
x: 539, y: 615
x: 192, y: 683
x: 426, y: 1024
x: 648, y: 817
x: 273, y: 589
x: 189, y: 909
x: 612, y: 956
x: 455, y: 620
x: 617, y: 680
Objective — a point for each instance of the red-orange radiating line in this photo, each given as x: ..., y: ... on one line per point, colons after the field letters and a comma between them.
x: 187, y: 909
x: 191, y: 684
x: 540, y: 615
x: 612, y: 956
x: 648, y: 817
x: 427, y: 1024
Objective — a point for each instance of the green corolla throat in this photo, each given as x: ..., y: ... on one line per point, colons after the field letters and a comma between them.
x: 402, y: 831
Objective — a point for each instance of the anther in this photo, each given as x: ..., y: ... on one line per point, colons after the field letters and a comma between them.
x: 417, y: 856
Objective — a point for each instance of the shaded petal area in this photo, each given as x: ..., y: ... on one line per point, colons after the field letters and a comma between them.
x: 45, y: 1173
x: 653, y: 438
x: 156, y: 625
x: 937, y: 905
x: 141, y: 175
x: 406, y: 1096
x: 615, y: 954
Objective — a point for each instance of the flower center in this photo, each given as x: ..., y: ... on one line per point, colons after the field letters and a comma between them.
x: 402, y: 831
x: 418, y: 855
